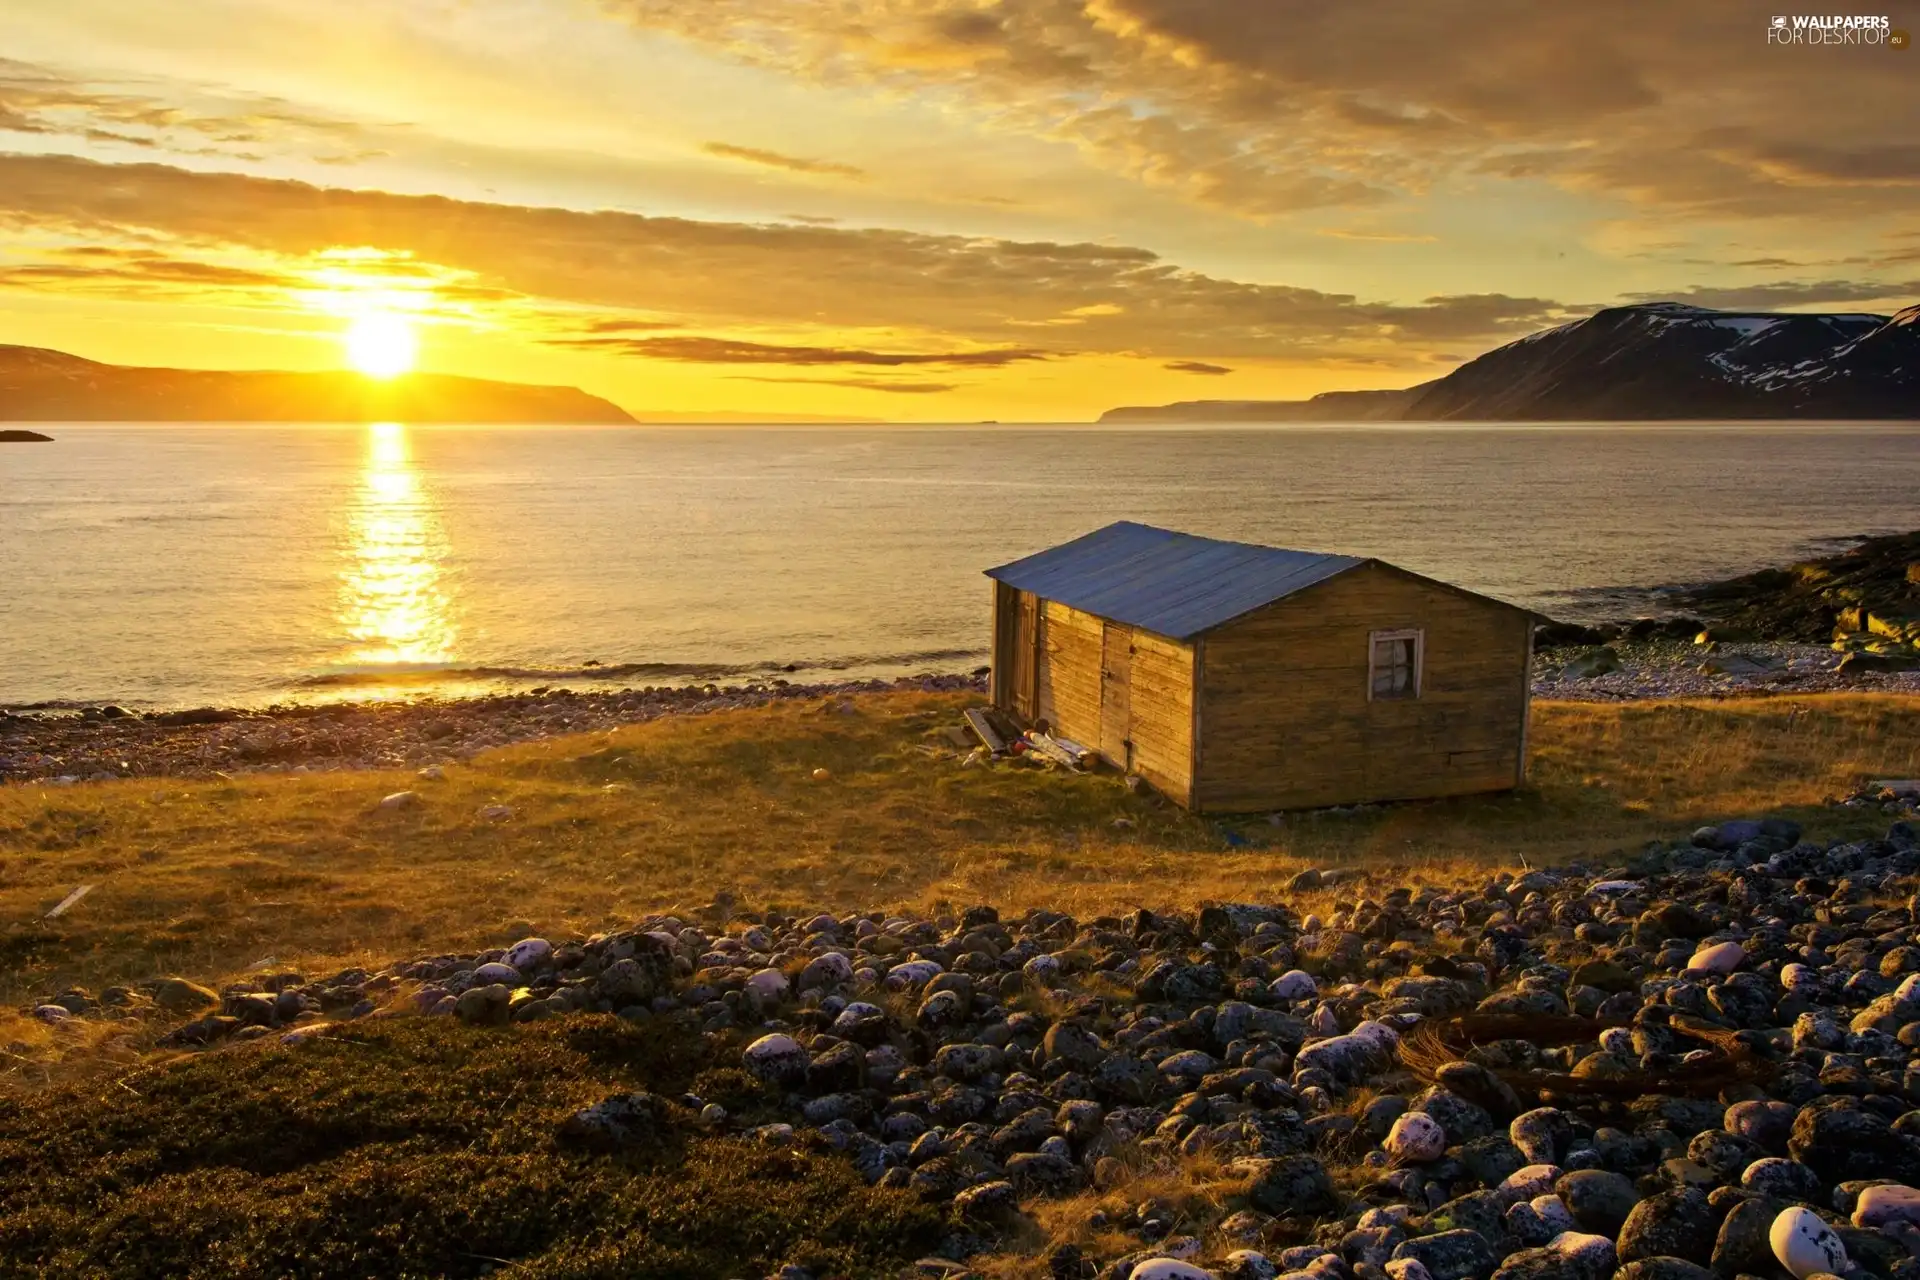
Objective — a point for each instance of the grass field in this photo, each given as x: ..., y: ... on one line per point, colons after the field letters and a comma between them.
x: 206, y: 878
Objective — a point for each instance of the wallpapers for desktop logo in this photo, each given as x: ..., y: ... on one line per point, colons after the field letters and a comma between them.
x: 1836, y: 29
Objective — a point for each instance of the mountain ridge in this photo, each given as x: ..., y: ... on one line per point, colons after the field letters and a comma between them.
x: 1645, y: 362
x: 39, y: 384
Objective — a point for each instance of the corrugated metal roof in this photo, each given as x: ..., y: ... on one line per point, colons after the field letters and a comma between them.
x: 1175, y: 584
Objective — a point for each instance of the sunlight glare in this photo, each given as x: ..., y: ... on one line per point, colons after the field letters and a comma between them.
x: 381, y: 345
x: 394, y: 604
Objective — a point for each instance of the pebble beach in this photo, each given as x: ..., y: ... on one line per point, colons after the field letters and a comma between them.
x: 1702, y: 1061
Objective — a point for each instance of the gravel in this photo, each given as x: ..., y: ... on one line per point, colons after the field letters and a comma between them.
x: 1681, y: 669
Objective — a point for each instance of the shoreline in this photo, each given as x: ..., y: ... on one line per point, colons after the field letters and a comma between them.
x: 97, y: 745
x: 102, y: 744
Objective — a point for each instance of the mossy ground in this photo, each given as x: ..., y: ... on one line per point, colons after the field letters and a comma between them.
x: 409, y: 1148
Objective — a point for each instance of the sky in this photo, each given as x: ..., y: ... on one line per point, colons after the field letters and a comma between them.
x: 930, y: 210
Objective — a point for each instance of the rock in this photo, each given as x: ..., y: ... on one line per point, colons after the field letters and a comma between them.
x: 1072, y: 1043
x: 1723, y: 957
x: 988, y: 1200
x: 827, y: 971
x: 1766, y: 1124
x: 1663, y: 1269
x: 1543, y: 1135
x: 495, y: 813
x: 1805, y: 1245
x: 1673, y: 1224
x: 777, y: 1060
x: 1450, y: 1255
x: 1187, y: 1068
x: 504, y: 974
x: 1599, y: 1199
x: 1885, y: 1204
x: 767, y: 985
x: 1168, y: 1269
x: 1781, y: 1179
x: 1837, y: 1138
x: 1293, y: 984
x: 484, y: 1006
x: 1743, y: 1244
x: 177, y: 995
x: 1529, y: 1183
x: 529, y: 954
x: 624, y: 1120
x: 1289, y: 1185
x: 1246, y: 1264
x: 1570, y: 1256
x: 1587, y: 666
x: 1044, y: 1173
x: 1368, y: 1046
x: 1416, y: 1138
x: 400, y: 800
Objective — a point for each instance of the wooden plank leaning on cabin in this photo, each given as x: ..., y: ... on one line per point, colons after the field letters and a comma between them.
x: 1289, y: 721
x: 1162, y: 710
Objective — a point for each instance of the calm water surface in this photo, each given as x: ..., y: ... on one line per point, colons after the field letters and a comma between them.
x: 177, y: 565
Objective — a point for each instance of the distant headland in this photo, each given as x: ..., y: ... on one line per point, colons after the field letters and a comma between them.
x: 22, y: 437
x: 1657, y: 361
x: 40, y: 385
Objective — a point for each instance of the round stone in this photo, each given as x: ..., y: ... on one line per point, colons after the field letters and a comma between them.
x: 1416, y: 1138
x: 1805, y: 1245
x: 1889, y: 1203
x: 505, y: 974
x: 1293, y: 985
x: 529, y: 953
x: 776, y: 1059
x: 1169, y: 1269
x: 768, y: 984
x: 1723, y: 957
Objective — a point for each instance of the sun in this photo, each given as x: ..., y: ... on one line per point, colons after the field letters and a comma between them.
x: 381, y: 344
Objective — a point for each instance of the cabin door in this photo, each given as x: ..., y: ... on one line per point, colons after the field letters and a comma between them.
x: 1016, y: 651
x: 1026, y: 660
x: 1116, y: 694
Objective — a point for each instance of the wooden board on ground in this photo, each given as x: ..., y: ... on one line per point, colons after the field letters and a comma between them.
x: 983, y: 729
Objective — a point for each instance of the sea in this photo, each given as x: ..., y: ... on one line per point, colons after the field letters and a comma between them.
x: 163, y: 566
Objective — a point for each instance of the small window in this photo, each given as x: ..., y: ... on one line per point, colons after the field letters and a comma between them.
x: 1393, y: 666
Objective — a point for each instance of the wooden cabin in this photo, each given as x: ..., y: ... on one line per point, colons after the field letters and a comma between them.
x: 1234, y: 677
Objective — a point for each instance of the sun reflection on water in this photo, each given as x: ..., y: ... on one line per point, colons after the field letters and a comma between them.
x: 394, y: 606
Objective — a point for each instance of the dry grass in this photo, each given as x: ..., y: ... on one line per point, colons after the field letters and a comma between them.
x: 210, y: 878
x: 1193, y: 1194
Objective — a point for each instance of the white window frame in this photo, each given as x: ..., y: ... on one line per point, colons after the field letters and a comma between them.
x: 1419, y: 637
